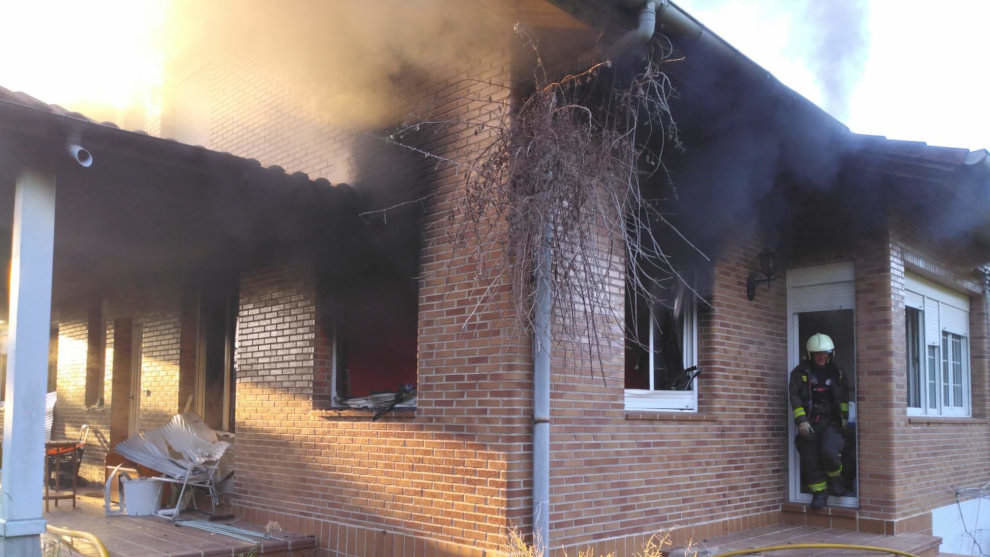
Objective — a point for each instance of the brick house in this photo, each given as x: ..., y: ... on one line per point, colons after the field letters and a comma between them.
x: 260, y: 299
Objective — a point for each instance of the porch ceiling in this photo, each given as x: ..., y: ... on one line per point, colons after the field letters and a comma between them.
x: 153, y: 207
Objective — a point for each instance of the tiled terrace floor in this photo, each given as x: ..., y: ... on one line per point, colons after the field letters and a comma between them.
x: 918, y: 544
x: 156, y: 537
x: 131, y: 536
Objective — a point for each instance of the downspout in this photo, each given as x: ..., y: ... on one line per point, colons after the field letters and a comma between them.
x: 986, y: 303
x: 542, y: 337
x: 641, y: 34
x: 541, y: 398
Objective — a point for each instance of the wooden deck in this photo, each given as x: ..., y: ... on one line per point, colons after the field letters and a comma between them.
x: 917, y: 544
x: 156, y: 537
x: 127, y: 536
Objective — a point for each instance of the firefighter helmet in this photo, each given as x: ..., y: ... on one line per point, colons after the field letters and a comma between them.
x: 820, y: 342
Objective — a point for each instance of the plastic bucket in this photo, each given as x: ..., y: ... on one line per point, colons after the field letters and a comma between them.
x: 142, y: 497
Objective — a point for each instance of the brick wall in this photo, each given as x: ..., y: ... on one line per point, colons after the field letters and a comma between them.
x: 979, y: 349
x: 879, y: 296
x: 441, y: 477
x: 71, y: 411
x: 159, y: 368
x: 620, y: 476
x: 457, y: 471
x: 908, y: 465
x: 71, y: 387
x: 255, y: 113
x: 160, y: 347
x: 433, y: 477
x: 933, y: 456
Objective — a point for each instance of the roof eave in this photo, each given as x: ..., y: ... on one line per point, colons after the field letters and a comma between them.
x: 616, y: 16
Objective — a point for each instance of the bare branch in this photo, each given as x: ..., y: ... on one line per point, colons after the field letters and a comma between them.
x: 570, y: 160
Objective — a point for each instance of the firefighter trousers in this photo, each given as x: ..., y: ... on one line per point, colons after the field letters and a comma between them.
x: 821, y: 456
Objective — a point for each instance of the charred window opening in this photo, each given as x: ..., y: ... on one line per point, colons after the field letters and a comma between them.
x: 660, y: 354
x: 216, y: 379
x: 95, y: 356
x: 371, y: 331
x: 369, y: 286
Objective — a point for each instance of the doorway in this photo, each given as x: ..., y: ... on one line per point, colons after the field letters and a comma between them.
x: 821, y: 299
x: 215, y: 381
x: 125, y: 406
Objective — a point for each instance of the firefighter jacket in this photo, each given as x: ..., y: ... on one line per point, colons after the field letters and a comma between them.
x: 818, y: 394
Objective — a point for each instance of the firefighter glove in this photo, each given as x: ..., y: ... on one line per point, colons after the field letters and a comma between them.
x: 805, y: 429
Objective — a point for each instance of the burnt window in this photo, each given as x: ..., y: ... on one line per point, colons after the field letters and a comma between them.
x: 370, y: 328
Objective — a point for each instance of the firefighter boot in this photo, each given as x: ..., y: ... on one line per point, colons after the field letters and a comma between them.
x: 818, y: 499
x: 836, y: 486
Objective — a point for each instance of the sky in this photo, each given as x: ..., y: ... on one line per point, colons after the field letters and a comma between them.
x: 903, y: 69
x: 103, y: 58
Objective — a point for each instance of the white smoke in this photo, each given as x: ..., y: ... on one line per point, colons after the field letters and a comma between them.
x: 817, y: 48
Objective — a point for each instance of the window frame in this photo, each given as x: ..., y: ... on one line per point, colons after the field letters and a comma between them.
x: 666, y: 400
x: 948, y: 388
x: 943, y: 315
x: 917, y: 380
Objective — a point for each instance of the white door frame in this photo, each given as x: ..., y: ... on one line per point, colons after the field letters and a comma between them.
x: 819, y: 288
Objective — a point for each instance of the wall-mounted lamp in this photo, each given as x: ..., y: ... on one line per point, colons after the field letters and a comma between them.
x: 766, y: 274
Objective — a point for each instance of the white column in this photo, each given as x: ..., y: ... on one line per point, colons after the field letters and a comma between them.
x: 21, y: 519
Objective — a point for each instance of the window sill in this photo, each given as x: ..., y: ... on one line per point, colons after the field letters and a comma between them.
x: 668, y: 416
x: 406, y: 413
x: 938, y: 420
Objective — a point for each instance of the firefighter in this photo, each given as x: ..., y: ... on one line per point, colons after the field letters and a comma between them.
x: 820, y: 402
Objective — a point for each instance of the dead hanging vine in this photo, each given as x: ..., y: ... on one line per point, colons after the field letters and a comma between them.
x: 564, y: 172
